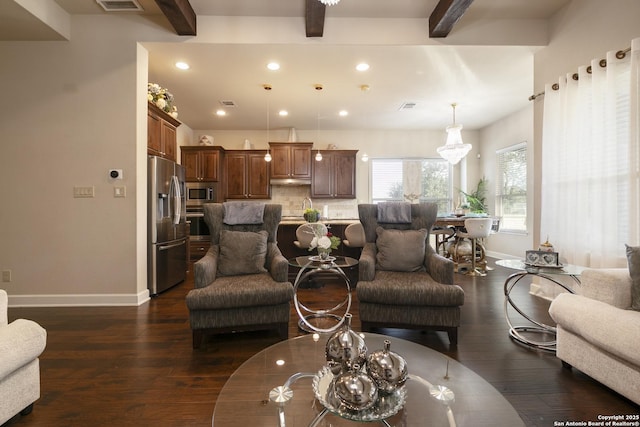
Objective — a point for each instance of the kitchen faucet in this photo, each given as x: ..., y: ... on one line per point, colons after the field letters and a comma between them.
x: 304, y: 203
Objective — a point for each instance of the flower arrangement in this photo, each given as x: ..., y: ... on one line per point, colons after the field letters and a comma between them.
x: 323, y: 240
x: 161, y: 97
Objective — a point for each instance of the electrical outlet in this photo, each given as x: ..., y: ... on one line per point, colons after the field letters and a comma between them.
x: 6, y: 275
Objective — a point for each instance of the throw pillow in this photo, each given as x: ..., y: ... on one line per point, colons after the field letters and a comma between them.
x: 633, y: 259
x: 400, y: 250
x: 242, y: 252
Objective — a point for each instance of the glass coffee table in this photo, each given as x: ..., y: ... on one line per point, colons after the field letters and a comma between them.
x: 314, y: 315
x: 439, y: 392
x: 522, y: 334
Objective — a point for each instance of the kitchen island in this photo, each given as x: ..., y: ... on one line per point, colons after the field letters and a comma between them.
x: 287, y: 235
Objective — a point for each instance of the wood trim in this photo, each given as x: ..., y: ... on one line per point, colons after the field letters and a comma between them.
x: 445, y: 15
x: 314, y: 18
x: 180, y: 14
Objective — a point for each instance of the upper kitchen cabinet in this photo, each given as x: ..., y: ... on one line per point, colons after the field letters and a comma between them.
x: 202, y: 163
x: 161, y: 133
x: 334, y: 177
x: 247, y: 175
x: 291, y: 160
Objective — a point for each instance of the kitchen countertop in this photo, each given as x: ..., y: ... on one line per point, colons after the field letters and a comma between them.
x: 300, y: 220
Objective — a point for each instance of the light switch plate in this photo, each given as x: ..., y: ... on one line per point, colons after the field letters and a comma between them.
x: 120, y: 191
x: 84, y: 192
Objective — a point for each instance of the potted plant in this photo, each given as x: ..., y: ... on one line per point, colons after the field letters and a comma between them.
x: 311, y: 215
x: 476, y: 200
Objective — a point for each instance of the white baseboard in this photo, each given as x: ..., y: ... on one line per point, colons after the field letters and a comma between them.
x: 79, y: 300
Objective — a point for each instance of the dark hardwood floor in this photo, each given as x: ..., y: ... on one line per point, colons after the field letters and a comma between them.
x: 126, y: 366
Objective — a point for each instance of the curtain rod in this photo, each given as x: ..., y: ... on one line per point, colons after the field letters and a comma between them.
x: 603, y: 63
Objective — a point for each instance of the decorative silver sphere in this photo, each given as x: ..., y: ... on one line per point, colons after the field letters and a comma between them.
x: 387, y: 369
x: 355, y: 390
x: 345, y: 347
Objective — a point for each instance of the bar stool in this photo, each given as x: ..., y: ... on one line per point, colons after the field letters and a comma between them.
x: 476, y: 228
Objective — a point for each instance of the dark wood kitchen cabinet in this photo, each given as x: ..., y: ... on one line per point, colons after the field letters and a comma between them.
x: 334, y: 177
x: 202, y: 164
x: 161, y: 133
x: 290, y: 160
x: 247, y: 175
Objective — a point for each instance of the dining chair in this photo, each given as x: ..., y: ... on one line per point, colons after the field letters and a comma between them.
x: 476, y: 228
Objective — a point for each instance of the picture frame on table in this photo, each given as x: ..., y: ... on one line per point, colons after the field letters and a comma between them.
x: 542, y: 259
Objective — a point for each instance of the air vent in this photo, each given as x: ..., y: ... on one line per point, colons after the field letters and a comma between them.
x: 228, y: 103
x: 120, y: 5
x: 407, y: 106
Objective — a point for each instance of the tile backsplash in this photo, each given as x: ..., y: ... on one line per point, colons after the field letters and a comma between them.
x: 291, y: 197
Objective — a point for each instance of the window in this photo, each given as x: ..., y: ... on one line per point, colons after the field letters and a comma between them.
x: 425, y: 180
x: 511, y: 190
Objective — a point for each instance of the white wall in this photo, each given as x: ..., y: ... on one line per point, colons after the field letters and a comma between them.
x: 511, y: 130
x: 73, y: 110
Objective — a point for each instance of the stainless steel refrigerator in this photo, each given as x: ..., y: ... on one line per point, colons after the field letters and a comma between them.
x: 167, y: 232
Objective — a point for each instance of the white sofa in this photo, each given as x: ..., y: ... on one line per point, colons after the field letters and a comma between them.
x: 21, y: 342
x: 597, y: 332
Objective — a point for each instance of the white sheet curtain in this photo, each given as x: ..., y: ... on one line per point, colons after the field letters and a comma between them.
x: 590, y: 162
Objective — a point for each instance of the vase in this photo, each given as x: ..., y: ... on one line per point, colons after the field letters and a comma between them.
x: 345, y: 347
x: 324, y: 253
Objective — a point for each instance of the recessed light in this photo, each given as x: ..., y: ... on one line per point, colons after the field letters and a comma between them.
x: 362, y: 66
x: 343, y: 113
x: 182, y: 65
x: 221, y: 113
x: 273, y: 66
x: 283, y: 113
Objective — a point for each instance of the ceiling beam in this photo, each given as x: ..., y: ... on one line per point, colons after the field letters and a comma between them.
x: 445, y: 15
x: 314, y: 18
x: 180, y: 14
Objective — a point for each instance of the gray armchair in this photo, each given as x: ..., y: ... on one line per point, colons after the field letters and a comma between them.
x: 241, y: 283
x: 403, y: 282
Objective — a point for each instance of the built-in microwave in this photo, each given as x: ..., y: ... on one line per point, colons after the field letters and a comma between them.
x: 199, y: 193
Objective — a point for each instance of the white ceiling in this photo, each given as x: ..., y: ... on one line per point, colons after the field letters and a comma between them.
x: 488, y: 82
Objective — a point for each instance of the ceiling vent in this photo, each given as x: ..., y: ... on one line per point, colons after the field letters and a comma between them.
x: 407, y: 106
x: 228, y: 104
x: 120, y: 5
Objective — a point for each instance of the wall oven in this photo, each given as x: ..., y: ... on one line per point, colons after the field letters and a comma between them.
x: 198, y: 229
x: 199, y: 193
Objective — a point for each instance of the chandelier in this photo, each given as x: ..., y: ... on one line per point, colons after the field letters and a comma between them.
x: 329, y: 2
x: 454, y: 150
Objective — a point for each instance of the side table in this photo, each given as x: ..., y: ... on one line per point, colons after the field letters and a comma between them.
x: 310, y: 266
x: 547, y: 273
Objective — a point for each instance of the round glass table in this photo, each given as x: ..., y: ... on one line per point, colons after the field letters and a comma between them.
x: 439, y: 392
x: 314, y: 316
x: 521, y: 334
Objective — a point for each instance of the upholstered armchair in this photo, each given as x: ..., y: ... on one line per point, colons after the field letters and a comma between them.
x: 241, y: 282
x: 403, y: 282
x: 21, y: 343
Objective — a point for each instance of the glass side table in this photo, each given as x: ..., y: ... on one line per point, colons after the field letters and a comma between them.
x: 311, y: 266
x: 552, y: 274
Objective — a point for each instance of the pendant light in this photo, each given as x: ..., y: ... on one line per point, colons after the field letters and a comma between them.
x: 267, y: 157
x: 454, y: 149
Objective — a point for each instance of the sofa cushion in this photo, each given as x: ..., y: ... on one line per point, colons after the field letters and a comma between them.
x: 250, y: 290
x: 242, y: 252
x: 400, y: 288
x: 606, y: 327
x: 633, y: 259
x: 400, y: 250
